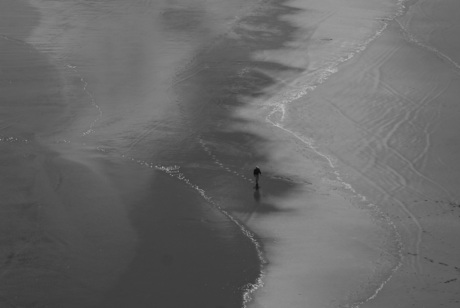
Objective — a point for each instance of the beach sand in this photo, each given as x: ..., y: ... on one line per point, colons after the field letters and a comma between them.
x: 129, y: 131
x: 386, y: 120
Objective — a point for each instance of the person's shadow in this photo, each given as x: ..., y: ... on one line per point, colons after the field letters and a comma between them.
x: 257, y: 195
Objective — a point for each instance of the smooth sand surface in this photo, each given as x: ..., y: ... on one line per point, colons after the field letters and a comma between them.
x: 387, y: 121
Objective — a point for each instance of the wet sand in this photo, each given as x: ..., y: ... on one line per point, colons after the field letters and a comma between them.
x: 55, y: 208
x: 130, y: 130
x: 85, y: 222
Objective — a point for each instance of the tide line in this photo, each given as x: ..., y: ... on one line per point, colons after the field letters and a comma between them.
x: 174, y: 171
x: 276, y: 117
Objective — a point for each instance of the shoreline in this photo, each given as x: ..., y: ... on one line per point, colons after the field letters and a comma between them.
x: 184, y: 255
x: 237, y: 142
x: 394, y: 95
x: 217, y: 274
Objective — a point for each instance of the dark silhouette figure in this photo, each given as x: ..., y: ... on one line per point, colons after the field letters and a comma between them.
x: 257, y: 174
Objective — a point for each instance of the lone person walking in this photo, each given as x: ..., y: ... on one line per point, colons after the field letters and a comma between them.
x: 257, y: 174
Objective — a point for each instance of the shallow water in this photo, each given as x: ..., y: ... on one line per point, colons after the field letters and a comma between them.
x: 96, y: 211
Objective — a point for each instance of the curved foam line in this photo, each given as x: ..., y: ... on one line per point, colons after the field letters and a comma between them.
x: 279, y: 108
x: 174, y: 171
x: 375, y: 208
x: 251, y: 287
x: 93, y: 103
